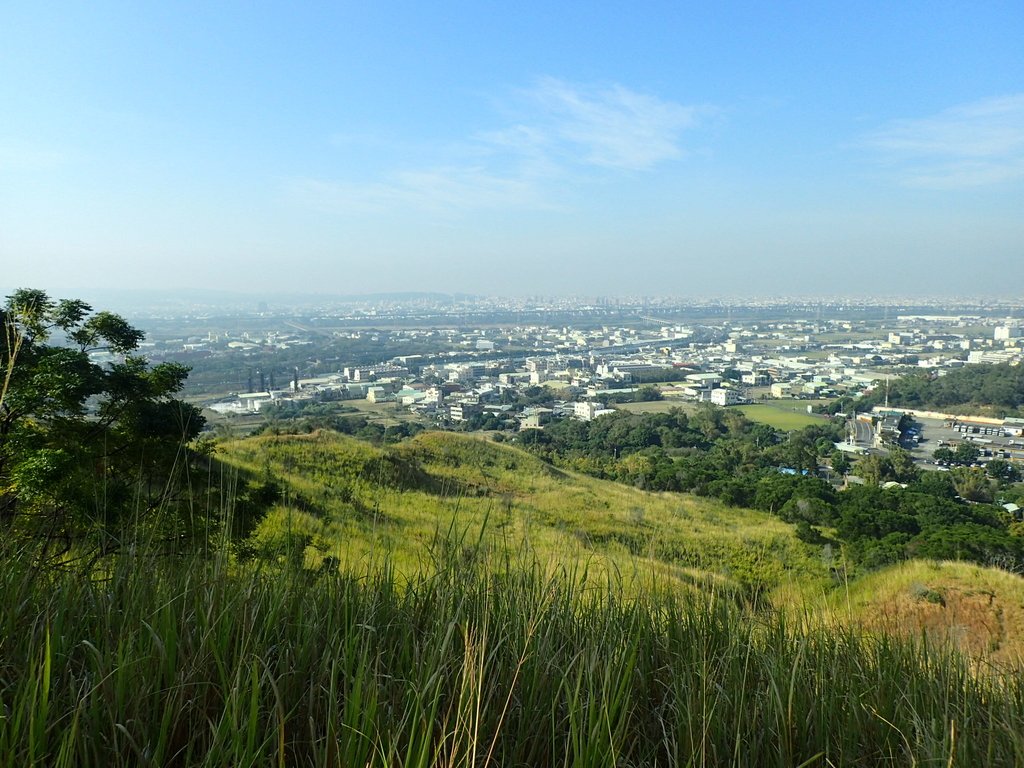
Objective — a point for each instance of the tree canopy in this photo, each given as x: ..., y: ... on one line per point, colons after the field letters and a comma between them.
x: 86, y: 447
x: 996, y: 387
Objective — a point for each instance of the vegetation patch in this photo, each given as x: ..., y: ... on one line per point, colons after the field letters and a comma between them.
x: 197, y: 662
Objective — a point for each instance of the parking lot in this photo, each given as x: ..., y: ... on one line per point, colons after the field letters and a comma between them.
x: 936, y: 433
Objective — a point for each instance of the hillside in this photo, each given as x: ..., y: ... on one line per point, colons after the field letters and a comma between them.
x: 982, y: 389
x: 344, y: 498
x: 979, y: 611
x: 485, y: 608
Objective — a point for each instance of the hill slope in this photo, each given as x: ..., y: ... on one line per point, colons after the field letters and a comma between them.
x: 346, y: 499
x: 978, y: 610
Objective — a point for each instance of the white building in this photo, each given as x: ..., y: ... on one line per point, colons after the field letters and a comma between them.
x: 377, y: 394
x: 727, y: 397
x: 782, y: 389
x: 589, y: 410
x: 1007, y: 332
x: 704, y: 379
x: 994, y: 357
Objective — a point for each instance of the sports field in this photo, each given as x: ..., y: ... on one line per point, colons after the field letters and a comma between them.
x: 783, y: 414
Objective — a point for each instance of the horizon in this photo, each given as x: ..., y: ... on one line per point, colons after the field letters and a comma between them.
x: 154, y: 303
x: 785, y: 151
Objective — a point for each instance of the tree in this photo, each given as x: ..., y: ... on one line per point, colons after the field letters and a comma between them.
x: 972, y: 484
x: 873, y: 469
x: 1003, y: 471
x: 840, y: 463
x: 966, y: 453
x: 85, y: 447
x: 903, y: 468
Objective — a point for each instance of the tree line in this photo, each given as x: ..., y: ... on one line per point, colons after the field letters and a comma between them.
x: 997, y: 388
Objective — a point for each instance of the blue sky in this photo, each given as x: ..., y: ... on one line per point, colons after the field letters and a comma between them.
x: 520, y: 149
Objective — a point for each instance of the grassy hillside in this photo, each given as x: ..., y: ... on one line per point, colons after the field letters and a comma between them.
x: 979, y: 611
x: 411, y: 503
x: 490, y: 611
x: 346, y: 499
x: 198, y: 662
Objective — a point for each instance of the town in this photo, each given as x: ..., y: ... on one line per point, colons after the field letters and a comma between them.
x: 516, y: 365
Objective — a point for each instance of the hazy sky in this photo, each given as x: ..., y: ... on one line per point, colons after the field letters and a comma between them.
x: 588, y: 148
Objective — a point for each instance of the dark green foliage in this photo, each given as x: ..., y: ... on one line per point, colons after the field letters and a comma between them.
x: 644, y: 394
x: 966, y: 453
x: 1003, y: 471
x: 718, y: 453
x: 1000, y: 387
x: 840, y: 463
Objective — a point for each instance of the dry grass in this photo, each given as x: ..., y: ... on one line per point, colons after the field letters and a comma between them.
x: 979, y: 611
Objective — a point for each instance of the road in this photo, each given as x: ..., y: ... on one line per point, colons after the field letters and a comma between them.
x: 864, y: 434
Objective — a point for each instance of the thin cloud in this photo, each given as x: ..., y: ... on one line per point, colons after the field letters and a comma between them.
x: 965, y: 146
x: 554, y: 130
x: 614, y: 127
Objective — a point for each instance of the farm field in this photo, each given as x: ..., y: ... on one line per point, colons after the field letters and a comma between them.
x: 387, y: 414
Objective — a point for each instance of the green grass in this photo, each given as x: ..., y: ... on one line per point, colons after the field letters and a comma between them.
x: 658, y: 406
x: 197, y: 663
x: 782, y: 414
x: 486, y: 609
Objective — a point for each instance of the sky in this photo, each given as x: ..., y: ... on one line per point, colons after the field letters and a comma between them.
x: 514, y: 149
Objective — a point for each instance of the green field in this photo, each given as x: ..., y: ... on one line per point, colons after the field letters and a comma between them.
x: 780, y: 414
x: 657, y: 406
x: 783, y: 414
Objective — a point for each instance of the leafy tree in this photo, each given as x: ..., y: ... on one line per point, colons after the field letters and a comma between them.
x: 1003, y: 471
x: 966, y: 453
x: 840, y: 463
x: 903, y: 468
x: 874, y: 469
x: 85, y: 447
x: 937, y: 484
x: 972, y: 483
x: 983, y: 387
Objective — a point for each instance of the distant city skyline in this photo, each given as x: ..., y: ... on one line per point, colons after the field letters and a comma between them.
x: 571, y: 149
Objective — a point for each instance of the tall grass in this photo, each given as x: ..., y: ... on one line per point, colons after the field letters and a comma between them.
x: 195, y: 663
